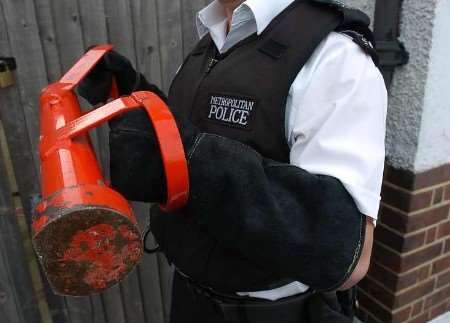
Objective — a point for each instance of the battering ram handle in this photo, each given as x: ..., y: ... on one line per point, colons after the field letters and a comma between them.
x: 84, y: 233
x: 171, y: 146
x: 85, y: 64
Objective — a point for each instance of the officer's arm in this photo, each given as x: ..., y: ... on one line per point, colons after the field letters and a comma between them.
x: 364, y: 262
x: 289, y: 218
x: 303, y: 226
x: 337, y: 127
x: 300, y: 225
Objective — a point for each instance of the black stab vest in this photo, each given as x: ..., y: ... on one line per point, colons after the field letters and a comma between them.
x: 242, y: 95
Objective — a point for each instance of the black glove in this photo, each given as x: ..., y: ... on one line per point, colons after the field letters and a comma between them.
x: 96, y: 86
x: 135, y: 161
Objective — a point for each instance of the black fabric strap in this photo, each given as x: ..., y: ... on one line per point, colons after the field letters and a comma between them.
x: 366, y: 45
x: 273, y: 49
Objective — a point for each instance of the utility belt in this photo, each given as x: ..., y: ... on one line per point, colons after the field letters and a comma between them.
x: 309, y: 307
x: 237, y: 309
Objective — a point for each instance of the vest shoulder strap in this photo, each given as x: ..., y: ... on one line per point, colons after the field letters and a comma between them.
x: 355, y: 24
x: 351, y: 16
x: 364, y: 43
x: 300, y: 28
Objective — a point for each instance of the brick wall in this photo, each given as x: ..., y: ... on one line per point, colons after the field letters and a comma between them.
x: 409, y: 279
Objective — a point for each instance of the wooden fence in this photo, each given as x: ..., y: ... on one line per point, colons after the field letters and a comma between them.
x: 46, y: 37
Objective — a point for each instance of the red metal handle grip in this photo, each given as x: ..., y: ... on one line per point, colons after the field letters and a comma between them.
x: 86, y: 63
x: 171, y: 147
x: 167, y: 134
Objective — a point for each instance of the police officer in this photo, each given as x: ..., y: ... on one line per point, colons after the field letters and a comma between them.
x: 282, y: 111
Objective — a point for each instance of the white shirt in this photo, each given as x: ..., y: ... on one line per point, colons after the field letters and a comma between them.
x: 335, y: 113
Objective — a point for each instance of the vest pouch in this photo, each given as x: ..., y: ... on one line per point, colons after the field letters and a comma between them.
x: 195, y: 253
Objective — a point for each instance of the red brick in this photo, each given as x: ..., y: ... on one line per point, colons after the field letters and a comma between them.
x: 398, y: 242
x: 386, y: 257
x: 441, y: 264
x: 413, y: 294
x: 427, y: 218
x: 431, y: 235
x: 377, y: 291
x: 406, y: 201
x: 447, y: 193
x: 373, y: 308
x: 417, y: 308
x: 422, y: 256
x: 444, y: 230
x: 395, y: 197
x: 420, y: 319
x: 432, y: 177
x: 402, y: 315
x: 437, y: 297
x: 443, y: 280
x: 406, y: 224
x: 414, y: 277
x: 447, y: 245
x: 383, y: 276
x: 420, y: 201
x: 438, y: 195
x: 399, y: 177
x: 438, y: 310
x: 410, y: 181
x: 388, y: 237
x: 413, y: 241
x: 393, y: 219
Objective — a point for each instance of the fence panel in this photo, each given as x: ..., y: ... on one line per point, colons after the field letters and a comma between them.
x: 46, y: 37
x: 18, y: 303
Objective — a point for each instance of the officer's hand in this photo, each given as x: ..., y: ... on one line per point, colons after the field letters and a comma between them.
x: 135, y: 160
x: 96, y: 86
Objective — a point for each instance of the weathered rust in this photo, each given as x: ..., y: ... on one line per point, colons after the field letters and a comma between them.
x: 87, y: 249
x: 84, y: 233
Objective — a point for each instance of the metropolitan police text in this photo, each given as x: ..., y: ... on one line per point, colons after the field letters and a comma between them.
x: 230, y: 110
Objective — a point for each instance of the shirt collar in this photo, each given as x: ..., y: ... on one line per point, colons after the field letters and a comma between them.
x: 264, y: 11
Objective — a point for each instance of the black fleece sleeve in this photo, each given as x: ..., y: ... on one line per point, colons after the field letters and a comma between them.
x: 303, y: 226
x: 298, y: 225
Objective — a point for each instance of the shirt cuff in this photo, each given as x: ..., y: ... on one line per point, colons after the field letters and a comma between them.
x: 367, y: 202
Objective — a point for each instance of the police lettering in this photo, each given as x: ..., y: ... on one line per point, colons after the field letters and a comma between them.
x: 228, y: 115
x: 235, y: 111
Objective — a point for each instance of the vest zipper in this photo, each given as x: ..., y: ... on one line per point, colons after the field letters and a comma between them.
x: 211, y: 64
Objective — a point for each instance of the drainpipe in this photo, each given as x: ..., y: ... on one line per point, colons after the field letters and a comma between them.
x: 392, y: 52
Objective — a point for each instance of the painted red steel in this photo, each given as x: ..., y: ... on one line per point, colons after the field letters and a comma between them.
x: 84, y: 232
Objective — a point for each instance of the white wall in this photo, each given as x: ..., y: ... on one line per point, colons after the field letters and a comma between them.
x: 418, y: 130
x: 409, y: 83
x: 434, y: 138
